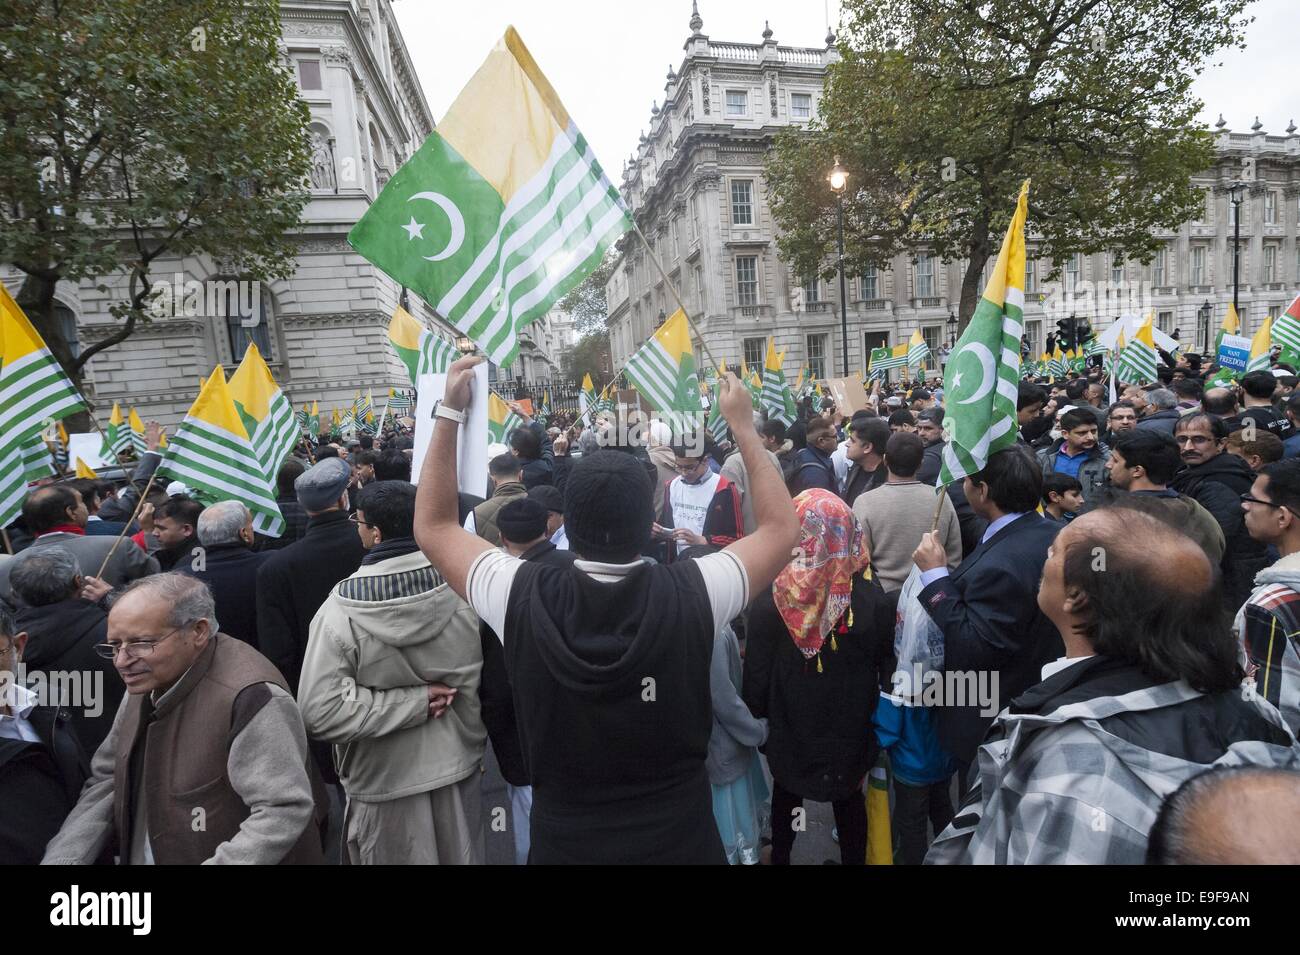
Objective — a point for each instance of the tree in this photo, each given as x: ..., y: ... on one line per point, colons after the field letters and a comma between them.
x: 589, y: 356
x: 586, y: 303
x: 939, y: 110
x: 136, y: 129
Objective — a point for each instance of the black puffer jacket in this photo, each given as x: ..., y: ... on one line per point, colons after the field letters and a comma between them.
x: 1217, y: 485
x: 820, y: 740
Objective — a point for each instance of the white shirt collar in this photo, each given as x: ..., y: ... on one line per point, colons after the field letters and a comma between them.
x: 1059, y: 664
x: 20, y: 700
x: 606, y: 573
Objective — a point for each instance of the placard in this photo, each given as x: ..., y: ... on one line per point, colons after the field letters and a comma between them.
x: 849, y: 395
x: 1234, y: 352
x: 471, y: 443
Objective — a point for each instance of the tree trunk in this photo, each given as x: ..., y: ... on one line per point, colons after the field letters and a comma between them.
x: 970, y: 281
x: 36, y: 298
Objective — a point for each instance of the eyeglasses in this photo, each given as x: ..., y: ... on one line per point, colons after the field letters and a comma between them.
x: 134, y: 648
x: 352, y: 518
x: 1247, y: 499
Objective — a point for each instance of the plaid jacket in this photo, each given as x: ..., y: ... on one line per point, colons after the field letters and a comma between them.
x: 1268, y: 626
x: 1068, y: 783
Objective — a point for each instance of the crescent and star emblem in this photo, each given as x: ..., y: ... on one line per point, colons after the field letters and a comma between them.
x: 414, y: 230
x: 987, y: 366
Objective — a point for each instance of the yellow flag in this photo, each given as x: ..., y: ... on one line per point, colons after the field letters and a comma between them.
x: 84, y: 470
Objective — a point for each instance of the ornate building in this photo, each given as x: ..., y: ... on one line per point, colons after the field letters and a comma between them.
x: 696, y: 184
x: 324, y: 330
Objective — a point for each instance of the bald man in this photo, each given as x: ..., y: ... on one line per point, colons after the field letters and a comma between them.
x: 1239, y: 815
x: 1147, y: 696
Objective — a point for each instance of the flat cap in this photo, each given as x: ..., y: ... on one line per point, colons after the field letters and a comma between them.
x: 322, y: 484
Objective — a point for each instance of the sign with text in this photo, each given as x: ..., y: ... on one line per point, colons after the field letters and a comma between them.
x: 472, y: 442
x: 1234, y: 352
x: 849, y: 395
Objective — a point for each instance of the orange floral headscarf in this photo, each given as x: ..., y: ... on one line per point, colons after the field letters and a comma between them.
x: 816, y: 587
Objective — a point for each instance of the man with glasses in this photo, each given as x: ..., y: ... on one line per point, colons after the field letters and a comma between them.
x: 1268, y: 624
x: 700, y: 507
x: 1121, y: 417
x: 813, y: 464
x: 1216, y: 480
x: 207, y: 760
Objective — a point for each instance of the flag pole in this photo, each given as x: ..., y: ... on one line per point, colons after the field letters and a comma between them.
x: 676, y: 297
x: 90, y: 413
x: 134, y: 514
x: 9, y: 547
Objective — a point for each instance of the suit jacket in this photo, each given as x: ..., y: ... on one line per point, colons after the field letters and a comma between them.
x: 988, y: 611
x: 128, y: 562
x: 39, y: 783
x: 230, y: 571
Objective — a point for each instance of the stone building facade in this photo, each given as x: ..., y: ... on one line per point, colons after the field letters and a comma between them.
x: 696, y: 184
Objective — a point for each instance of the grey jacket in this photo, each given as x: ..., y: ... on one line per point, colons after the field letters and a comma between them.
x: 735, y: 731
x: 1092, y: 473
x: 128, y: 562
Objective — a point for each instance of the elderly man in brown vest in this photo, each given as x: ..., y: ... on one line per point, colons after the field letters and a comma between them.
x: 207, y: 759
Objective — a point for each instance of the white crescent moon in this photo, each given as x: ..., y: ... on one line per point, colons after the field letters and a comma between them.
x: 453, y: 216
x: 987, y: 365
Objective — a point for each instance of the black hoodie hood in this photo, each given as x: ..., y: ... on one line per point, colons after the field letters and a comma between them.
x: 55, y: 630
x: 1224, y: 468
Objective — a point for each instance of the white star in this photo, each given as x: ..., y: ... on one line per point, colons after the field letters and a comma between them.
x: 956, y: 381
x: 414, y: 229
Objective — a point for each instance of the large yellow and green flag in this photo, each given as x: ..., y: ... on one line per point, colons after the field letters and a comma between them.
x: 1231, y: 326
x: 421, y: 351
x: 1137, y: 361
x: 663, y: 371
x: 265, y: 411
x: 502, y: 210
x: 1261, y: 348
x: 33, y: 392
x: 211, y: 453
x: 117, y: 439
x: 501, y: 419
x: 982, y: 377
x: 139, y: 442
x: 775, y: 397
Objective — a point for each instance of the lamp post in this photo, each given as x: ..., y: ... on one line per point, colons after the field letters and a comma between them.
x: 839, y: 179
x: 952, y: 328
x: 1237, y: 192
x: 1203, y: 325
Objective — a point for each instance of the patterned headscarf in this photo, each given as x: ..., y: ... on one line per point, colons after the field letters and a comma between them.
x: 815, y: 588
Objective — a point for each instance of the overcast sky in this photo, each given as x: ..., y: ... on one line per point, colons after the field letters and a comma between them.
x: 608, y: 59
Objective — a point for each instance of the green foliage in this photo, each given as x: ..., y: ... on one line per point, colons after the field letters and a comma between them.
x: 586, y: 303
x: 137, y: 129
x: 589, y: 356
x: 940, y: 110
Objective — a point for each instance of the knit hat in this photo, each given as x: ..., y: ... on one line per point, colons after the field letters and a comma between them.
x: 521, y: 521
x: 322, y: 484
x: 548, y: 496
x: 607, y: 508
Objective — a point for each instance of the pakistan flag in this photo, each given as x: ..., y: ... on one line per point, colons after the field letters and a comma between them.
x: 983, y: 372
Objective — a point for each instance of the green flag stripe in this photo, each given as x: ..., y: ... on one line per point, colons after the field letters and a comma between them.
x: 654, y: 374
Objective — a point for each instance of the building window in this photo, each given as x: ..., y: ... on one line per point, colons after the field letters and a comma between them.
x: 1158, y: 268
x: 800, y: 105
x: 1275, y: 312
x: 1198, y: 265
x: 1270, y: 207
x: 238, y: 311
x: 747, y: 280
x: 742, y: 202
x: 1116, y: 268
x: 309, y: 74
x: 737, y: 103
x: 1165, y: 322
x: 755, y: 352
x: 1031, y: 275
x: 1207, y: 213
x: 68, y: 326
x: 1270, y: 263
x: 1074, y: 269
x: 1034, y: 336
x: 872, y: 341
x: 869, y: 287
x: 817, y: 356
x: 924, y: 276
x: 932, y: 335
x: 811, y: 291
x: 699, y: 289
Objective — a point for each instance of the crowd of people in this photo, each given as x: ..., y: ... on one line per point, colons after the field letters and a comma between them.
x: 673, y: 645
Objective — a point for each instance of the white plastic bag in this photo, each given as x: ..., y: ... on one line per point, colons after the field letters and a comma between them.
x: 918, y: 642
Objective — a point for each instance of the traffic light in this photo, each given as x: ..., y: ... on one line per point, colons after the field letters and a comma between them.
x: 1065, y: 333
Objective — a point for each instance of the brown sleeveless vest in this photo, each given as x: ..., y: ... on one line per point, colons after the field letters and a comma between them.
x: 179, y: 751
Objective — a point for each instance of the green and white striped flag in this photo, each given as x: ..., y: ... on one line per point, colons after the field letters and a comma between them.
x: 501, y: 211
x: 663, y: 371
x: 981, y: 379
x: 1286, y: 330
x: 33, y: 391
x: 117, y: 436
x: 267, y: 415
x: 776, y: 397
x: 917, y: 350
x: 1137, y: 362
x: 37, y: 462
x: 212, y: 453
x: 501, y: 419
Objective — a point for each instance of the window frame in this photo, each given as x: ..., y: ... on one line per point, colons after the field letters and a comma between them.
x: 748, y: 202
x: 742, y: 283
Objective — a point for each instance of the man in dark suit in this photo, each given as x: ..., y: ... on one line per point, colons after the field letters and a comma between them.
x: 988, y: 607
x: 96, y: 526
x: 229, y: 567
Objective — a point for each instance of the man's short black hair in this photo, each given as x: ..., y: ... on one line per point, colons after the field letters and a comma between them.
x: 88, y: 488
x: 874, y: 432
x: 1219, y: 401
x: 289, y: 472
x: 366, y: 441
x: 392, y: 466
x: 1057, y: 483
x: 1259, y: 384
x: 1076, y: 388
x: 504, y: 466
x: 919, y: 394
x: 1029, y: 394
x: 181, y: 509
x: 1014, y: 479
x: 1284, y: 483
x: 47, y: 507
x: 326, y: 451
x: 1077, y: 418
x: 390, y: 506
x: 1154, y: 451
x: 1165, y: 374
x: 775, y: 430
x: 1121, y: 404
x: 1293, y: 405
x: 902, y: 417
x: 1189, y: 389
x: 1217, y: 428
x: 363, y: 458
x: 904, y: 452
x: 931, y: 414
x: 525, y: 444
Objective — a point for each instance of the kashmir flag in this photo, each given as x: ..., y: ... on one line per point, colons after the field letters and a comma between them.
x: 420, y: 350
x: 501, y: 419
x: 1261, y: 345
x: 501, y: 212
x: 33, y: 391
x: 37, y: 462
x: 58, y: 438
x: 313, y: 420
x: 211, y: 452
x: 1231, y: 326
x: 981, y: 379
x: 1137, y: 362
x: 1286, y: 330
x: 1056, y: 367
x: 663, y: 371
x: 365, y: 407
x: 917, y: 350
x: 117, y: 440
x: 265, y: 411
x: 587, y: 397
x: 84, y: 470
x: 717, y: 425
x: 399, y: 400
x: 883, y: 359
x: 776, y: 398
x: 138, y: 443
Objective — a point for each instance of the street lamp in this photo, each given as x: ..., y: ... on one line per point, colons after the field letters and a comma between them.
x: 1237, y: 192
x: 839, y: 179
x: 1203, y: 325
x: 952, y: 328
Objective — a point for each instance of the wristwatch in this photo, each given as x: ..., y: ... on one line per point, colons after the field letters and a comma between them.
x: 450, y: 413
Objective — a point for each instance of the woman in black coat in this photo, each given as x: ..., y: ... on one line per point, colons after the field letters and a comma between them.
x: 819, y: 644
